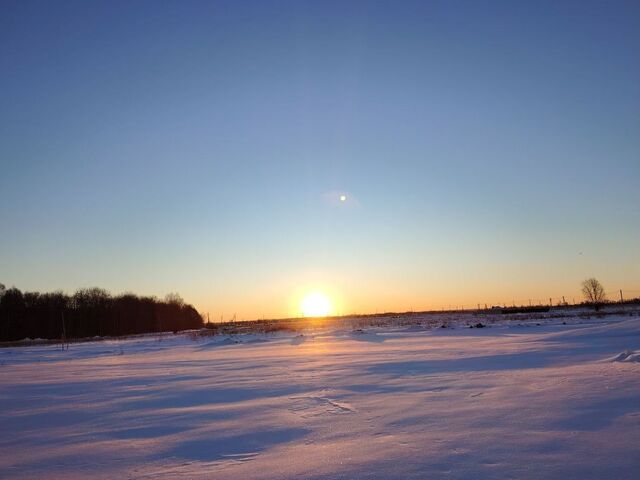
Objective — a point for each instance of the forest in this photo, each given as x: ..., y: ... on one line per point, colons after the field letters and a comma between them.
x: 90, y: 312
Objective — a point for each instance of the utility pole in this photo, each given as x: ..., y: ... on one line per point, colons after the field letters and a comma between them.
x: 550, y: 303
x: 621, y: 299
x: 64, y: 332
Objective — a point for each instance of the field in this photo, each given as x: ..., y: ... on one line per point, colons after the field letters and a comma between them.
x: 557, y: 398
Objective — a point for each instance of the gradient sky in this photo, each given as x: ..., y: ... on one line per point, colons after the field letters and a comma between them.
x: 489, y: 151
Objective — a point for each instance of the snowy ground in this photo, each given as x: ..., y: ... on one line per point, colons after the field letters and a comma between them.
x: 544, y: 402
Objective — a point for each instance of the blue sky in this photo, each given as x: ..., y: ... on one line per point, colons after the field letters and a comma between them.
x: 490, y: 151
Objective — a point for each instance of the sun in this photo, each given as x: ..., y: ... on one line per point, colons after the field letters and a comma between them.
x: 315, y: 304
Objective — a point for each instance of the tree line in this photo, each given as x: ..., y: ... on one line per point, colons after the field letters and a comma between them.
x: 90, y: 312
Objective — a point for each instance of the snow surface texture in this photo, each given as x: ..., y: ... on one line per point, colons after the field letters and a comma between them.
x: 546, y: 402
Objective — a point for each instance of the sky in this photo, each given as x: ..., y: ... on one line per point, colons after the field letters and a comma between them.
x: 489, y: 152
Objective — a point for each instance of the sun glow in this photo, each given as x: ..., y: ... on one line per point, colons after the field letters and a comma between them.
x: 315, y: 304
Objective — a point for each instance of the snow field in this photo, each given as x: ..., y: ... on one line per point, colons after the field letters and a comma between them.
x: 552, y: 401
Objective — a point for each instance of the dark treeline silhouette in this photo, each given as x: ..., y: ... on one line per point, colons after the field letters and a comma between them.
x: 90, y: 312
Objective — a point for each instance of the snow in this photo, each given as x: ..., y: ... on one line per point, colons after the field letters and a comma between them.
x: 627, y: 356
x: 513, y: 400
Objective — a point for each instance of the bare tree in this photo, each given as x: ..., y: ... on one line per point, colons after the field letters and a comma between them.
x: 593, y: 292
x: 174, y: 298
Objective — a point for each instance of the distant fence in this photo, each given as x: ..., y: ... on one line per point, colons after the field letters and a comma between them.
x: 620, y: 296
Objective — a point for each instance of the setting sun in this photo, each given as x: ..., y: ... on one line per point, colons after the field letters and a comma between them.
x: 315, y: 304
